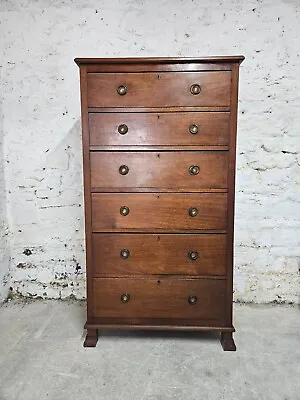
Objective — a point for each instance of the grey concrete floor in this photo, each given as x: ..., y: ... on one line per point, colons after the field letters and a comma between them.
x: 41, y: 357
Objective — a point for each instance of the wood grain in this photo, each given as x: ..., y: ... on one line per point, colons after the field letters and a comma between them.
x: 159, y: 170
x: 159, y: 129
x: 159, y: 109
x: 158, y: 211
x: 231, y: 192
x: 159, y: 254
x: 142, y: 67
x: 159, y: 274
x: 163, y: 89
x: 161, y: 60
x: 87, y: 189
x: 156, y: 324
x: 159, y: 298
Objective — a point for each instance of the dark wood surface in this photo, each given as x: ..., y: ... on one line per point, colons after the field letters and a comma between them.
x: 158, y: 211
x: 154, y: 170
x: 151, y: 89
x: 158, y: 149
x: 231, y: 197
x: 159, y: 254
x: 87, y: 192
x: 159, y: 129
x: 159, y: 109
x: 160, y: 298
x: 178, y: 324
x: 161, y: 60
x: 168, y: 67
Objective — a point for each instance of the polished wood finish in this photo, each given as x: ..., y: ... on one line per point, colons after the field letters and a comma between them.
x: 91, y: 338
x: 159, y: 177
x: 158, y: 109
x: 158, y: 148
x: 227, y: 341
x: 187, y: 61
x: 159, y: 129
x: 87, y: 189
x: 231, y: 197
x: 160, y: 298
x: 151, y: 89
x: 154, y: 324
x: 162, y: 254
x: 140, y: 67
x: 155, y: 170
x: 158, y: 211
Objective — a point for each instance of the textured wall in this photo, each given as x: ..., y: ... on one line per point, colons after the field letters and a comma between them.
x: 42, y: 128
x: 4, y: 250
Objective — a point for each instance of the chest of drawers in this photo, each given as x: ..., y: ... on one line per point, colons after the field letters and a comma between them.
x: 159, y: 140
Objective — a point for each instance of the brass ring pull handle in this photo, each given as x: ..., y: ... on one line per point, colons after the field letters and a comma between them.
x: 194, y: 129
x: 124, y: 210
x: 193, y: 212
x: 192, y: 300
x: 194, y: 170
x: 125, y: 297
x: 122, y: 129
x: 195, y: 89
x: 193, y: 255
x: 123, y: 170
x: 124, y: 253
x: 122, y: 90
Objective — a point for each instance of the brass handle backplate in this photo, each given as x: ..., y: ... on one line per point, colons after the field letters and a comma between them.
x: 194, y: 129
x: 122, y: 89
x: 192, y: 300
x: 124, y: 210
x: 122, y: 129
x: 123, y: 170
x: 195, y: 89
x: 193, y: 255
x: 125, y: 297
x: 124, y: 253
x: 193, y: 212
x: 194, y: 170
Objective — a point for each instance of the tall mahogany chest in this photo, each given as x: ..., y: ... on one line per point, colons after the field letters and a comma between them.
x: 159, y: 143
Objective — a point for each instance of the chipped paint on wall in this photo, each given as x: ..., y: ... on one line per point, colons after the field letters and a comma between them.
x: 42, y: 128
x: 4, y: 243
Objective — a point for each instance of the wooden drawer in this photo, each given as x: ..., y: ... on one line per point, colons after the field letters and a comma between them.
x: 163, y: 211
x: 159, y: 170
x: 159, y: 298
x: 159, y: 89
x: 159, y: 129
x: 147, y: 254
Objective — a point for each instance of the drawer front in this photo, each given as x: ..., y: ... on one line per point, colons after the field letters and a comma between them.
x: 163, y: 298
x: 167, y: 211
x: 147, y: 254
x: 160, y: 129
x: 159, y: 89
x: 160, y: 170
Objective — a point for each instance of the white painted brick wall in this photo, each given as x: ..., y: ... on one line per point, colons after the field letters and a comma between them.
x: 42, y: 128
x: 4, y: 245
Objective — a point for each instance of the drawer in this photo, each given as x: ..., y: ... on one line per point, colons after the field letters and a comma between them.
x: 169, y: 211
x: 159, y: 89
x: 147, y: 254
x: 159, y: 129
x: 159, y: 298
x: 115, y: 171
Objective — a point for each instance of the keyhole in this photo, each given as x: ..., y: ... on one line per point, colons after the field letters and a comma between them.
x: 158, y: 282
